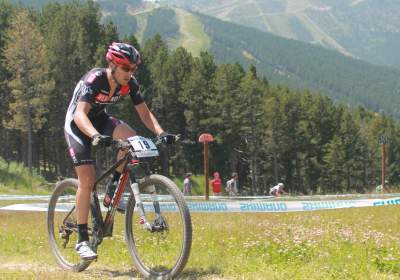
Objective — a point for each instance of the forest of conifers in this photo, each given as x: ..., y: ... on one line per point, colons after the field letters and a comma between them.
x: 265, y: 133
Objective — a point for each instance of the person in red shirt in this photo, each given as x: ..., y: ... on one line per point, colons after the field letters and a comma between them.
x: 216, y: 184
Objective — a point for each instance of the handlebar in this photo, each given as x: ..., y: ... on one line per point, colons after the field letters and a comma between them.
x: 124, y: 144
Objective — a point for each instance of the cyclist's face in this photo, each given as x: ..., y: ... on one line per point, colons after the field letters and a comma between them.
x: 124, y: 73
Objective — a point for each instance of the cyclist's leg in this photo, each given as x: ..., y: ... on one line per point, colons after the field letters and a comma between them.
x: 79, y: 149
x: 86, y: 178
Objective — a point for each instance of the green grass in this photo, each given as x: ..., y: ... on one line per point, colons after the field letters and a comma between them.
x: 141, y: 20
x: 361, y: 243
x: 16, y: 179
x: 193, y: 37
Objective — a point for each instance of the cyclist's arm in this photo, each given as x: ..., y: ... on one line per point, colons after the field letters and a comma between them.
x: 82, y: 121
x: 148, y: 118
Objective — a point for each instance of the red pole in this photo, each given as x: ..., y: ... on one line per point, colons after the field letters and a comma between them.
x: 383, y: 165
x: 206, y: 169
x: 205, y: 138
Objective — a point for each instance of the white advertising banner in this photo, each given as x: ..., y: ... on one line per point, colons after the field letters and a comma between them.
x: 244, y: 206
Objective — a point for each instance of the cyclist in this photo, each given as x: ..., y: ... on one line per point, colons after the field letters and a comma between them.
x: 232, y: 185
x: 277, y: 190
x: 88, y: 124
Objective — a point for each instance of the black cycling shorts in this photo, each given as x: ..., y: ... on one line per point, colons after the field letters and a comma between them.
x: 79, y: 145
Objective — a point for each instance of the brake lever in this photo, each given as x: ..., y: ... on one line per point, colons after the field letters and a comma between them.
x: 158, y: 140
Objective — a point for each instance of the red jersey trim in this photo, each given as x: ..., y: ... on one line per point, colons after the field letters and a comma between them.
x: 124, y: 90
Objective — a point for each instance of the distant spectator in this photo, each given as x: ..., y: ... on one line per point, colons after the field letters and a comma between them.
x: 216, y: 184
x: 232, y: 185
x: 380, y: 188
x: 277, y: 190
x: 187, y: 184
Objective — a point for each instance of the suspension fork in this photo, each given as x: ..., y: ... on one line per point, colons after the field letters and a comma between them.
x: 151, y: 189
x: 138, y: 200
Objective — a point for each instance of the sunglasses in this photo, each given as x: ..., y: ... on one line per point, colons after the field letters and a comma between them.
x: 129, y: 69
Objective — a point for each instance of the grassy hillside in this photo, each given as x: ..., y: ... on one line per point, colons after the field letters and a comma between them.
x: 192, y: 35
x: 178, y: 27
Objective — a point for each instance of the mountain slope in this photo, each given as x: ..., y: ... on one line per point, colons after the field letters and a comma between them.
x: 300, y: 64
x: 178, y: 27
x: 366, y: 29
x: 282, y: 61
x: 290, y: 62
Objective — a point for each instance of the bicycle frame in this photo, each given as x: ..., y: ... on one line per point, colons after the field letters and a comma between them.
x: 104, y: 226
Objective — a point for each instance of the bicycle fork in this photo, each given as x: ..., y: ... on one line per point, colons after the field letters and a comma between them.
x: 140, y: 205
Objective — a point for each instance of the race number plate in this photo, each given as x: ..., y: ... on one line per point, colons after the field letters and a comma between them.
x: 143, y: 147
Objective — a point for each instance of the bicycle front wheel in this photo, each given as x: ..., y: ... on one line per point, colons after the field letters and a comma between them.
x: 163, y: 252
x: 62, y: 227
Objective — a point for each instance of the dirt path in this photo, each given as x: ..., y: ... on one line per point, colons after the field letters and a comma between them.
x: 15, y: 270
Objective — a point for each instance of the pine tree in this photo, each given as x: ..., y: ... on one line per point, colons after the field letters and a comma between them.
x: 317, y: 129
x: 197, y: 97
x: 26, y: 59
x: 73, y: 35
x: 6, y: 12
x: 225, y: 97
x: 249, y: 117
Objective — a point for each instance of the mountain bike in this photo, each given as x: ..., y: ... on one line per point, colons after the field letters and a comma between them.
x: 158, y: 228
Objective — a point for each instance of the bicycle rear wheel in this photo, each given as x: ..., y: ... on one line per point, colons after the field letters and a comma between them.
x: 62, y: 227
x: 163, y: 253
